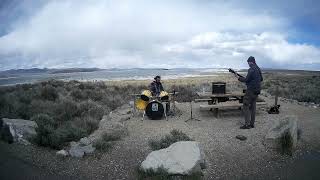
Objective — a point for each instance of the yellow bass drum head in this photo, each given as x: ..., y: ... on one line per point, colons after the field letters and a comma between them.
x: 141, y: 104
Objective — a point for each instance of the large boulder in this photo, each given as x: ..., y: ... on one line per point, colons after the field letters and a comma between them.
x: 20, y: 130
x: 180, y: 158
x: 283, y: 134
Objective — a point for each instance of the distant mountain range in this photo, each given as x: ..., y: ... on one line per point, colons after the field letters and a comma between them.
x: 49, y: 71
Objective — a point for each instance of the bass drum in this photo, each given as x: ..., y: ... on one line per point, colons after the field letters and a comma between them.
x: 155, y: 110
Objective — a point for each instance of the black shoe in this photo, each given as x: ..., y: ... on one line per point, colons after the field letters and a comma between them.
x: 251, y: 126
x: 245, y: 127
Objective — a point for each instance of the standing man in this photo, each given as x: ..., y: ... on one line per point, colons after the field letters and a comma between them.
x: 156, y: 86
x: 253, y: 81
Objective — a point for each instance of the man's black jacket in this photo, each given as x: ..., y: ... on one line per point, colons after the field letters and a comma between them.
x: 253, y: 79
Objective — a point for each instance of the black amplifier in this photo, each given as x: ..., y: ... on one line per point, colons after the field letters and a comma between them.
x: 218, y: 87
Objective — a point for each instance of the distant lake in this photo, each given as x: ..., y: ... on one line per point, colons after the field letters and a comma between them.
x: 107, y: 75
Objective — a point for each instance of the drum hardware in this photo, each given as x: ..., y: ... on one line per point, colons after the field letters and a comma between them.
x: 191, y: 114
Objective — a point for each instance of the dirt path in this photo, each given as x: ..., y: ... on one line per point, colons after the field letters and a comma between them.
x: 227, y: 157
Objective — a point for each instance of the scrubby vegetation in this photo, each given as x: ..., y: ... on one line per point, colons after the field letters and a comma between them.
x: 64, y: 111
x: 106, y: 142
x: 162, y: 174
x: 166, y: 141
x: 286, y: 144
x: 301, y: 87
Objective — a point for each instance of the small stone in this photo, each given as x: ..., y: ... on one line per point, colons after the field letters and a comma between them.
x: 62, y: 152
x: 241, y: 137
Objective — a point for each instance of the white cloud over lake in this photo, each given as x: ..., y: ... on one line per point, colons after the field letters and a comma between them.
x: 166, y: 34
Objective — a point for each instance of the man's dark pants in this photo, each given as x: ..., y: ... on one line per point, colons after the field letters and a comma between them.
x: 249, y: 107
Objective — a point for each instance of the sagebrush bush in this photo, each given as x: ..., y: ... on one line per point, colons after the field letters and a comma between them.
x: 304, y: 88
x: 45, y: 129
x: 162, y: 174
x: 166, y: 141
x: 49, y: 92
x: 66, y: 110
x: 54, y: 134
x: 106, y: 142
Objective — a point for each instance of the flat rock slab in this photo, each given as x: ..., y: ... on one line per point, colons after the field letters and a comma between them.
x: 241, y: 137
x: 183, y: 158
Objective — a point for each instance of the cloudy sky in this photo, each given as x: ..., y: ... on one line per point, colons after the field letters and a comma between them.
x: 164, y: 33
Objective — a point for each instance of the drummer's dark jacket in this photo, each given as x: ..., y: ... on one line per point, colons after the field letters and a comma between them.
x: 156, y: 88
x: 253, y: 79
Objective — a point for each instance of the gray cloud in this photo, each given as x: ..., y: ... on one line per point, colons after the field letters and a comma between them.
x: 170, y: 34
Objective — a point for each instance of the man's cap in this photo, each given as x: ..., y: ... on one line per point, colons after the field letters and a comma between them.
x: 251, y: 59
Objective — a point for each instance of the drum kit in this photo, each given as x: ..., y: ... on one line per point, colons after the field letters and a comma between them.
x: 155, y: 107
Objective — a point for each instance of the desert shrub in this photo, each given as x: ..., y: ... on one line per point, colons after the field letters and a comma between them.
x: 11, y: 107
x: 86, y: 85
x: 45, y: 129
x: 4, y: 106
x: 166, y: 141
x: 78, y: 94
x: 55, y: 83
x: 48, y: 92
x: 302, y: 88
x: 66, y: 133
x: 87, y: 123
x: 65, y: 110
x: 96, y: 94
x: 38, y: 106
x: 162, y: 174
x: 186, y: 93
x: 91, y: 109
x: 106, y: 142
x: 286, y: 144
x: 114, y: 100
x: 51, y: 134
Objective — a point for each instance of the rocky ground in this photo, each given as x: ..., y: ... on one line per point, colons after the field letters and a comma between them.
x: 226, y: 156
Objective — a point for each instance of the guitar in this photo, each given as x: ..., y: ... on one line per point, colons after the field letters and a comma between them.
x: 234, y: 72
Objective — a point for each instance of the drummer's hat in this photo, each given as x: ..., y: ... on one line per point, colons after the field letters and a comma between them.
x: 157, y: 77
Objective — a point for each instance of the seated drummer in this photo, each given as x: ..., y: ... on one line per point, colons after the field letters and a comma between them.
x: 156, y: 86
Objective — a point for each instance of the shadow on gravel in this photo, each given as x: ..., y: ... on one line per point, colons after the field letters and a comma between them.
x: 14, y: 168
x: 305, y: 166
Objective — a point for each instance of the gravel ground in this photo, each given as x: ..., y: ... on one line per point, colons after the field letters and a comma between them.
x: 226, y: 156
